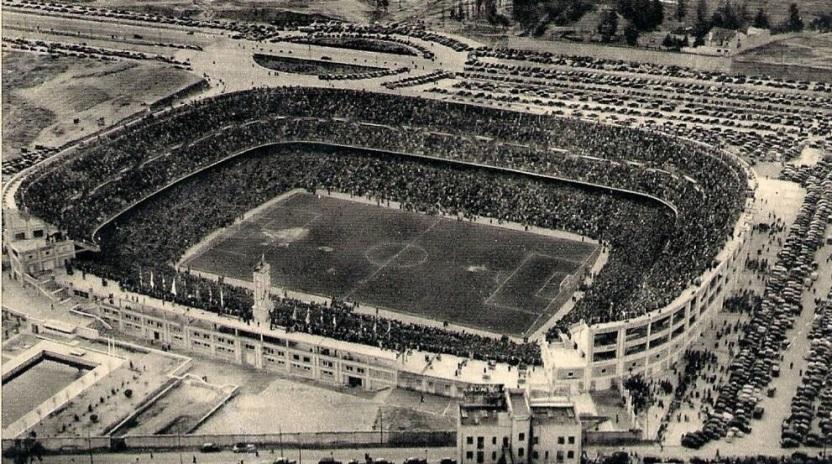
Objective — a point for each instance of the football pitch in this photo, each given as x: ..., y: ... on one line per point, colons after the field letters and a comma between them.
x: 469, y: 274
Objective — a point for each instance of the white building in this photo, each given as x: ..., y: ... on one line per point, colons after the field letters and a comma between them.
x: 506, y: 426
x: 33, y: 246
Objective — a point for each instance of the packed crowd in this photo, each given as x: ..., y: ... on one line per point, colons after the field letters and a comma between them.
x: 763, y: 337
x: 701, y: 188
x: 434, y: 189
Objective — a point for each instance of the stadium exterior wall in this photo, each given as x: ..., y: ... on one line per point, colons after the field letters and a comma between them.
x: 297, y: 354
x: 597, y: 357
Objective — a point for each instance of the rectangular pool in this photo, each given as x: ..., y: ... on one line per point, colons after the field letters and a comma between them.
x: 36, y: 384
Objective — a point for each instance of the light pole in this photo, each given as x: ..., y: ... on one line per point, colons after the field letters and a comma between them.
x: 89, y: 444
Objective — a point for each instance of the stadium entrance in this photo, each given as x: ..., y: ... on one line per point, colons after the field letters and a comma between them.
x: 355, y: 382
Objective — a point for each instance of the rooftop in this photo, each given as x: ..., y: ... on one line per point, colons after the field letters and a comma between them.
x: 554, y: 413
x: 32, y: 244
x: 519, y: 405
x: 482, y: 407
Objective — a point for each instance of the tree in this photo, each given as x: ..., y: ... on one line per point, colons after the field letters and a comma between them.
x: 761, y: 19
x: 701, y: 26
x: 795, y: 22
x: 644, y: 15
x: 681, y: 9
x: 631, y: 34
x: 729, y: 16
x: 656, y: 14
x: 28, y: 449
x: 823, y: 22
x: 608, y: 25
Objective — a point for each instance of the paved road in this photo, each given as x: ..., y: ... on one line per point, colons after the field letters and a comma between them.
x: 395, y: 455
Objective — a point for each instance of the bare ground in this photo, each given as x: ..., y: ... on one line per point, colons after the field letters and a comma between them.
x: 43, y: 95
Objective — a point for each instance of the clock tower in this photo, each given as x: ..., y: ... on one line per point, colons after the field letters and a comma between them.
x: 263, y: 304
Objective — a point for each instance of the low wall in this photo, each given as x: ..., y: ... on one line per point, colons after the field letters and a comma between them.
x: 301, y: 440
x: 612, y: 438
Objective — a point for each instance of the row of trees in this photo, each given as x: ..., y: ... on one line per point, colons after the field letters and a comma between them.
x: 647, y: 15
x: 536, y: 15
x: 641, y: 15
x: 730, y: 15
x: 608, y: 27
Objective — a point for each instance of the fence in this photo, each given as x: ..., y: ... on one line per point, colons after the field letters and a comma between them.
x: 299, y: 440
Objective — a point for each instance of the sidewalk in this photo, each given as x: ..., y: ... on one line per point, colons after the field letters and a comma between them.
x: 23, y: 298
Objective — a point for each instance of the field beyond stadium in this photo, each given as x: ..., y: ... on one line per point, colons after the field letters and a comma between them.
x: 464, y: 273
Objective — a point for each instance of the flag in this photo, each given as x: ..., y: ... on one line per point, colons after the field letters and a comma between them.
x: 173, y: 286
x: 210, y: 294
x: 222, y: 302
x: 375, y: 326
x: 152, y: 285
x: 322, y: 318
x: 389, y: 325
x: 295, y: 313
x: 334, y: 323
x: 307, y: 316
x: 141, y: 280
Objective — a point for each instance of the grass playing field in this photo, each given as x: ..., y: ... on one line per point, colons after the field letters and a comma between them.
x: 470, y: 274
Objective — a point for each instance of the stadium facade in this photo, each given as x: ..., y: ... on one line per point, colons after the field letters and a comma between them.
x: 601, y: 355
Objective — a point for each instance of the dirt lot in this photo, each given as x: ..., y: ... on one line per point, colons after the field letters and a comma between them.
x: 42, y: 96
x: 251, y: 10
x: 179, y: 410
x: 813, y: 50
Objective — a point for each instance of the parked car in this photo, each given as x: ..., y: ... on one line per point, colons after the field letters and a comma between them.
x: 281, y: 460
x: 244, y: 448
x: 209, y: 447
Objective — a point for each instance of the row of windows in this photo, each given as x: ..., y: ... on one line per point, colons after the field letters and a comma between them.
x: 559, y: 455
x: 569, y: 439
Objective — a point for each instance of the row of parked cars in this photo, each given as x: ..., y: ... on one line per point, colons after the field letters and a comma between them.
x: 383, y: 43
x: 410, y: 29
x: 419, y: 80
x: 722, y: 107
x: 764, y: 336
x: 809, y: 421
x: 86, y: 51
x: 362, y: 75
x: 589, y: 62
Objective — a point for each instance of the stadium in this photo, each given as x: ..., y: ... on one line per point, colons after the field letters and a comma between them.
x: 395, y: 225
